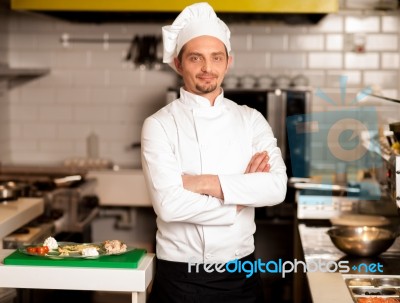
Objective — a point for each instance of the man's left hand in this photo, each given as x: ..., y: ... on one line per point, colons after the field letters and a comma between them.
x: 258, y: 163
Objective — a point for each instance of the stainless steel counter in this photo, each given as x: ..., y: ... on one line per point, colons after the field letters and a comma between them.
x: 15, y: 214
x: 327, y: 282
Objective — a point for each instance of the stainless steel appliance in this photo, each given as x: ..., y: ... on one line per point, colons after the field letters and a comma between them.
x: 326, y: 201
x: 70, y: 205
x: 319, y: 206
x: 394, y: 178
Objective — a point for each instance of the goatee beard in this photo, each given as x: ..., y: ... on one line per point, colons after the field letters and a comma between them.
x: 206, y: 89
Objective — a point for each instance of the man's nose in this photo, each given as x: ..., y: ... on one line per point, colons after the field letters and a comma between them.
x: 206, y: 66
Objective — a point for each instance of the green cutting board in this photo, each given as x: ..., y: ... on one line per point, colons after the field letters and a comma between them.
x: 130, y: 259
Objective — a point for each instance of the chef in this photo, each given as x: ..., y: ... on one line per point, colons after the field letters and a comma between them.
x: 208, y: 162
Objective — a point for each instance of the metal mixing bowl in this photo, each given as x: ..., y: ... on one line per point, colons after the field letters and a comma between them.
x: 363, y: 241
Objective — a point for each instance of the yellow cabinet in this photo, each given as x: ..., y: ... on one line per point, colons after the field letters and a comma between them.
x: 233, y: 6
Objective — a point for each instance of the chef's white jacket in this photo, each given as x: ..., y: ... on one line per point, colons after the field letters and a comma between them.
x: 189, y: 136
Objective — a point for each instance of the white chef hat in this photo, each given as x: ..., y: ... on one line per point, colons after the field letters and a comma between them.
x: 196, y: 20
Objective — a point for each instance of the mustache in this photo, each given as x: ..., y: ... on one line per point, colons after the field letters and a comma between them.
x: 207, y: 75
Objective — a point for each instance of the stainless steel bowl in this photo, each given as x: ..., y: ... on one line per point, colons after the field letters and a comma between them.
x: 363, y: 241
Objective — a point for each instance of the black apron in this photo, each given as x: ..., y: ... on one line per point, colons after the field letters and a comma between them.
x: 174, y: 284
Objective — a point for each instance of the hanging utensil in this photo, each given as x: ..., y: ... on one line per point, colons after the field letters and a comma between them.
x: 133, y: 49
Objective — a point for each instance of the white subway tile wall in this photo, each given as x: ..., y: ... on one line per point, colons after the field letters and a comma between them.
x: 324, y: 60
x: 4, y: 123
x: 4, y: 98
x: 382, y: 42
x: 353, y: 78
x: 387, y: 79
x: 362, y: 61
x: 390, y: 24
x: 362, y: 24
x: 289, y: 61
x: 306, y: 42
x: 391, y: 60
x: 91, y: 88
x: 334, y: 42
x: 271, y: 42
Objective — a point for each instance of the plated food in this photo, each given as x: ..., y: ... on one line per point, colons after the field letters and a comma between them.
x: 378, y: 300
x: 52, y: 248
x: 78, y: 249
x: 114, y: 247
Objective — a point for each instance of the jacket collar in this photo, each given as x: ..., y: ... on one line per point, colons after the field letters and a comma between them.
x: 194, y: 100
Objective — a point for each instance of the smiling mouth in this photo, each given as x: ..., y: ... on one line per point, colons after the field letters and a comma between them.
x: 206, y: 77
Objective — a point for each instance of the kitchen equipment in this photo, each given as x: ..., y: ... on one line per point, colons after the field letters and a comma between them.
x: 363, y: 241
x: 230, y: 82
x: 12, y: 190
x: 300, y: 80
x: 373, y: 288
x: 248, y: 81
x: 265, y: 81
x: 395, y: 128
x: 35, y: 231
x: 282, y: 81
x: 390, y: 181
x: 70, y: 204
x: 393, y: 185
x: 324, y: 201
x: 145, y: 51
x: 7, y: 193
x: 359, y: 220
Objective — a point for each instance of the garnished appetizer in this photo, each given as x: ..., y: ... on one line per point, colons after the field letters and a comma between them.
x: 114, y: 247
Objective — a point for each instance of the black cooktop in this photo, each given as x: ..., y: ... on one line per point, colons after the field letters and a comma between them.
x: 385, y: 264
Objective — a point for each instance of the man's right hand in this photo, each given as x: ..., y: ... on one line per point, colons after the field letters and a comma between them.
x: 258, y: 163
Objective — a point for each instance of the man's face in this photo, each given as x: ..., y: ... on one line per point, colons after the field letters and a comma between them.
x: 203, y: 65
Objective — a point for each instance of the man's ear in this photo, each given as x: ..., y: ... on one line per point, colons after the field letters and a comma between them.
x: 230, y: 62
x: 178, y: 65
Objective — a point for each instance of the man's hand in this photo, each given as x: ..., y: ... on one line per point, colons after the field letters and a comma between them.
x: 258, y: 163
x: 210, y: 185
x: 203, y: 184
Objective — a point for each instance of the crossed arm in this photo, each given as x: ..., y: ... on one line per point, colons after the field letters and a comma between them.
x: 210, y: 184
x: 210, y: 199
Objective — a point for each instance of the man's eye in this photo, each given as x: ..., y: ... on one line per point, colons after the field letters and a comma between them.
x: 218, y: 58
x: 195, y: 58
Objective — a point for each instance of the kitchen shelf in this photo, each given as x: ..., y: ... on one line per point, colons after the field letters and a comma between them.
x: 16, y: 76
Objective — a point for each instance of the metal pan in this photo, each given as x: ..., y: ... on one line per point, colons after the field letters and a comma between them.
x: 7, y: 193
x: 362, y: 241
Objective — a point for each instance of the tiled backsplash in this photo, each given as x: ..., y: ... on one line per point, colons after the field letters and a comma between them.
x: 92, y: 89
x: 4, y: 131
x: 4, y: 118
